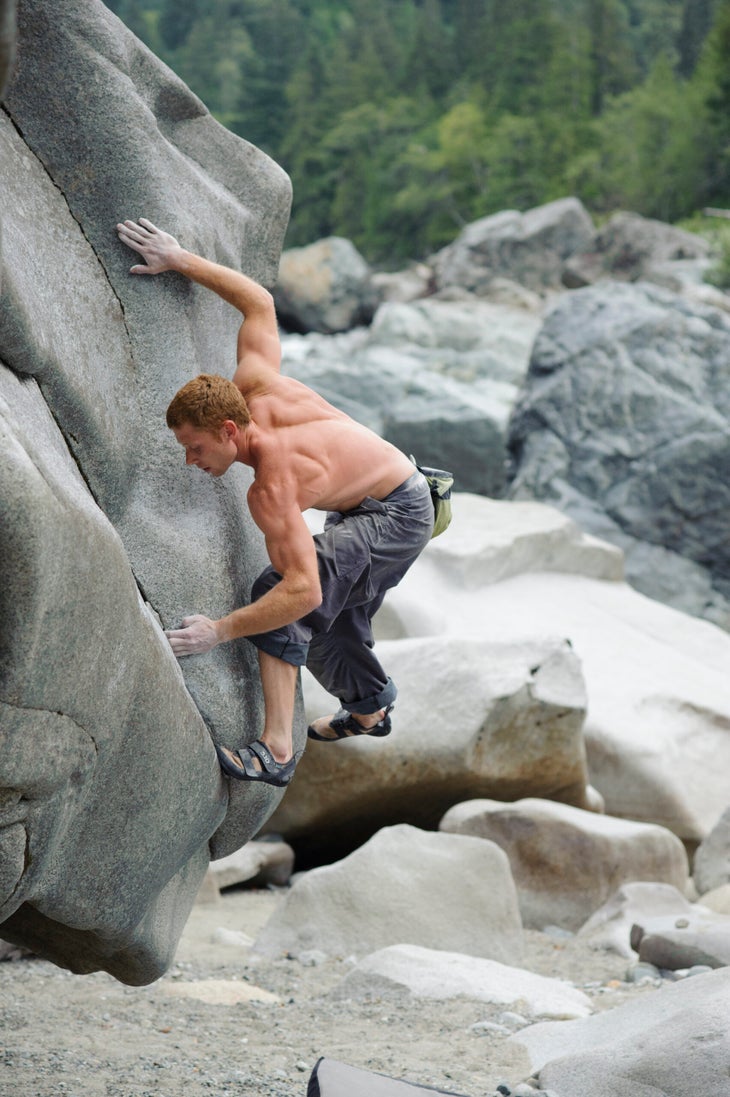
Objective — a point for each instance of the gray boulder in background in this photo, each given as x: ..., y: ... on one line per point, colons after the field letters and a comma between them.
x: 110, y: 790
x: 566, y: 862
x: 326, y: 287
x: 530, y: 248
x: 623, y: 425
x: 629, y: 247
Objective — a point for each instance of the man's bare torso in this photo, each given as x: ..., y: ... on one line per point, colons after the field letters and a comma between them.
x: 334, y: 461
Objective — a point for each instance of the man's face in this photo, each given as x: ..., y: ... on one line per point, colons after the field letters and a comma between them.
x: 213, y: 451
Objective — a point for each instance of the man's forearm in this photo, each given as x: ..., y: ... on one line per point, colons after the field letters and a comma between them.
x: 237, y: 289
x: 276, y: 608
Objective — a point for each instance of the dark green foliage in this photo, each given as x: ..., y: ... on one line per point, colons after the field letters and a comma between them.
x: 402, y: 120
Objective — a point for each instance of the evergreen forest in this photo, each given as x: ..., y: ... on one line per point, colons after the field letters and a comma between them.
x: 399, y: 121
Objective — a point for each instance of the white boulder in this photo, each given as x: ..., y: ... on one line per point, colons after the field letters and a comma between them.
x: 711, y: 866
x: 433, y: 973
x: 268, y: 862
x: 404, y: 886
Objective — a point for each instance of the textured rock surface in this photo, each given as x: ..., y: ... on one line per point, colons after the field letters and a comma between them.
x: 629, y: 247
x: 675, y: 1043
x: 441, y: 891
x: 112, y: 788
x: 7, y: 40
x: 566, y: 862
x: 623, y: 425
x: 711, y: 866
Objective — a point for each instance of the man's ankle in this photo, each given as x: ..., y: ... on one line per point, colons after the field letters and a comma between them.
x: 281, y: 748
x: 369, y: 720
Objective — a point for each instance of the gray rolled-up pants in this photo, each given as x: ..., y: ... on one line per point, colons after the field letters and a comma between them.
x: 361, y: 554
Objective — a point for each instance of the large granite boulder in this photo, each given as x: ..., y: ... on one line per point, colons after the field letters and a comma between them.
x: 403, y: 886
x: 623, y: 424
x: 111, y: 795
x: 530, y: 248
x: 566, y: 862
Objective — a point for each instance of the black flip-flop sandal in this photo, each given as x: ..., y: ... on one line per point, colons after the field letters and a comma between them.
x: 344, y: 725
x: 268, y: 772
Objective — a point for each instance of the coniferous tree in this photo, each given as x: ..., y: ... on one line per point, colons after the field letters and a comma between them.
x: 696, y: 22
x: 613, y: 69
x: 714, y: 81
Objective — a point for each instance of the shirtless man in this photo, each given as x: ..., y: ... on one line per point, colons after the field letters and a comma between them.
x: 313, y: 605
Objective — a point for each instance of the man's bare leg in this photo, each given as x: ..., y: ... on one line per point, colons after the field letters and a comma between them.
x: 279, y: 682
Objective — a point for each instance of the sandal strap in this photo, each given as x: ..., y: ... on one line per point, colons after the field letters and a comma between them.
x: 269, y: 765
x: 344, y: 722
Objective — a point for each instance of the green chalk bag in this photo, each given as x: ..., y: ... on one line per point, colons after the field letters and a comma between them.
x: 439, y: 483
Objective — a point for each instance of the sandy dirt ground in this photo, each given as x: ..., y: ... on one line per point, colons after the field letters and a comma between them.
x: 225, y: 1021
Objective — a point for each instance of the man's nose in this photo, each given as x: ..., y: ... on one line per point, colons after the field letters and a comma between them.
x: 190, y: 460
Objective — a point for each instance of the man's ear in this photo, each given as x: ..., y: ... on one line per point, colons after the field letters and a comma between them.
x: 229, y: 427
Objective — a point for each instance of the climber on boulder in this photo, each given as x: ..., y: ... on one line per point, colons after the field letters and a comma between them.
x: 313, y: 605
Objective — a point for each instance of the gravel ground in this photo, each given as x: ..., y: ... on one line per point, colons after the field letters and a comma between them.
x: 200, y: 1030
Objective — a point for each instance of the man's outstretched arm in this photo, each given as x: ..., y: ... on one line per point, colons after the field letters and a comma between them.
x: 258, y: 338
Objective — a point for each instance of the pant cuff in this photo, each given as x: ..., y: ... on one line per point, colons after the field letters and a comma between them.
x: 385, y: 697
x: 289, y: 651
